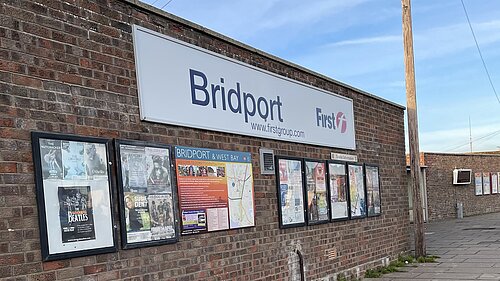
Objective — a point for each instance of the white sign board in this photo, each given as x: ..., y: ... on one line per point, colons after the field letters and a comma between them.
x: 344, y: 157
x: 185, y: 85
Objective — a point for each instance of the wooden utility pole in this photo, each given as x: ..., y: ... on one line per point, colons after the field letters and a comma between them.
x: 411, y: 104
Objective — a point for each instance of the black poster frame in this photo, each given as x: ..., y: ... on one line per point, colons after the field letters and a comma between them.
x: 364, y: 214
x: 379, y: 187
x: 306, y: 193
x: 278, y: 191
x: 346, y: 190
x: 121, y: 195
x: 41, y: 194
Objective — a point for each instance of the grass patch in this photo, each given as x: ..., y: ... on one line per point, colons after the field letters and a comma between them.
x: 427, y: 259
x: 395, y: 265
x: 342, y: 277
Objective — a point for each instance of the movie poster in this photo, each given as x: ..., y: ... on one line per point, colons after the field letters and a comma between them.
x: 357, y: 191
x: 373, y: 190
x: 317, y: 197
x: 486, y: 184
x: 72, y: 159
x: 51, y: 159
x: 75, y: 213
x: 291, y: 192
x: 158, y: 173
x: 478, y: 183
x: 134, y: 171
x: 162, y: 216
x: 338, y: 191
x: 95, y: 160
x: 137, y: 218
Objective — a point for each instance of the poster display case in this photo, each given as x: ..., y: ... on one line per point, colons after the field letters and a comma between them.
x: 339, y: 199
x: 290, y: 189
x: 486, y: 184
x: 357, y: 190
x: 374, y: 203
x: 146, y: 194
x: 73, y: 186
x: 494, y: 183
x: 478, y: 183
x: 318, y: 207
x: 215, y: 189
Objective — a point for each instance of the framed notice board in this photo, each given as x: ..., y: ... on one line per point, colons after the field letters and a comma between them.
x: 374, y: 203
x: 147, y: 194
x: 318, y: 207
x: 215, y: 189
x: 291, y: 194
x: 357, y: 190
x: 73, y: 185
x: 337, y: 184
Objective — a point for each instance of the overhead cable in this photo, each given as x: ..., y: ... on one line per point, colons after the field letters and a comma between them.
x: 479, y: 51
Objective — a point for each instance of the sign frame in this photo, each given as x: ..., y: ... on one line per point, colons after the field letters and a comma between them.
x: 279, y: 193
x: 486, y: 183
x: 346, y: 191
x: 478, y: 183
x: 330, y: 120
x: 310, y: 221
x: 205, y: 215
x: 122, y: 186
x: 360, y: 179
x: 378, y: 190
x: 92, y: 189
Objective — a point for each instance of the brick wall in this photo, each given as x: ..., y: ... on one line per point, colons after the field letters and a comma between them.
x: 442, y: 195
x: 68, y: 66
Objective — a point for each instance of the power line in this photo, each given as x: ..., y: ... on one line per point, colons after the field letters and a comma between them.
x: 475, y: 141
x: 165, y: 4
x: 479, y: 51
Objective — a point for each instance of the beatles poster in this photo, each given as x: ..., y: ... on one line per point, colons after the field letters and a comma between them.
x: 73, y: 193
x: 373, y: 190
x: 478, y: 183
x: 357, y: 191
x: 147, y: 199
x: 338, y: 191
x: 215, y: 189
x: 75, y: 213
x: 290, y: 192
x: 317, y: 196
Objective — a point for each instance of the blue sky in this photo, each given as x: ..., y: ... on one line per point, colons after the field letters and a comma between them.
x: 359, y: 42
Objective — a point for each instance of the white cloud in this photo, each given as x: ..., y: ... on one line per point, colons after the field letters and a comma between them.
x: 367, y: 40
x: 305, y: 12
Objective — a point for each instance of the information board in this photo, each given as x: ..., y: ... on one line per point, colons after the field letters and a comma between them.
x: 215, y: 189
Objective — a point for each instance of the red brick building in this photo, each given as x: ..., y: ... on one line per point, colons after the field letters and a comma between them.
x: 68, y: 67
x: 442, y: 195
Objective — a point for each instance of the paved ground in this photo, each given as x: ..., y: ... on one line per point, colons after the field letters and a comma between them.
x: 469, y: 249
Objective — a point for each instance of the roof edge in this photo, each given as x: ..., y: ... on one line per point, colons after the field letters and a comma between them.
x: 481, y: 153
x: 193, y: 25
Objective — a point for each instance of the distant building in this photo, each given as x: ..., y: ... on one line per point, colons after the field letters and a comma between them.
x: 443, y: 200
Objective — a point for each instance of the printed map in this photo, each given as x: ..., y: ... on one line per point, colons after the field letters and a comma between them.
x: 240, y: 193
